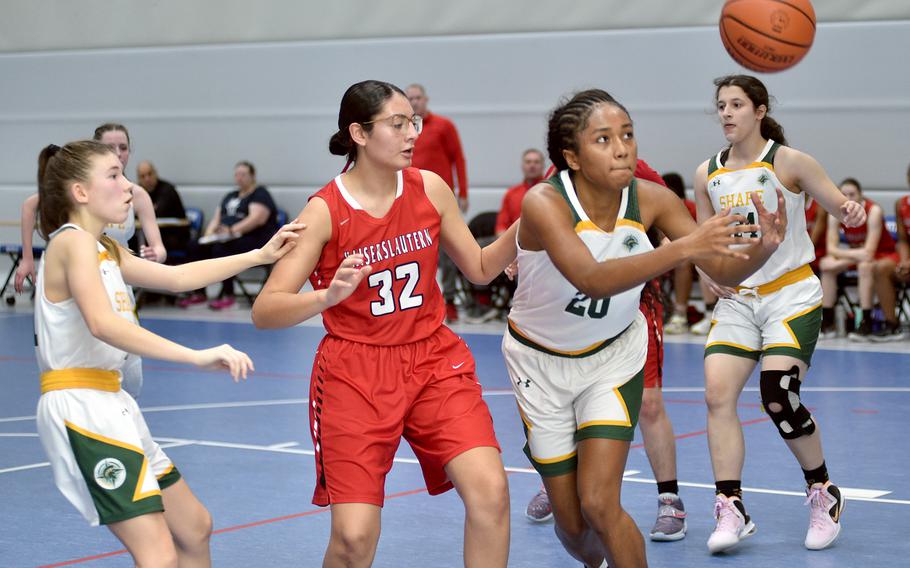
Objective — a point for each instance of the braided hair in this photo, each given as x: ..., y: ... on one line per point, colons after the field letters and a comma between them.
x: 569, y: 119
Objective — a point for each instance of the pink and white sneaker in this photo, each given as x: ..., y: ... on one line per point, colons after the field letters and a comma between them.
x: 825, y: 507
x: 733, y: 524
x: 222, y: 303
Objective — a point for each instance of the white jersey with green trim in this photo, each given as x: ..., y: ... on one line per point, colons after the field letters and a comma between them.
x: 62, y: 338
x: 731, y: 188
x: 549, y: 311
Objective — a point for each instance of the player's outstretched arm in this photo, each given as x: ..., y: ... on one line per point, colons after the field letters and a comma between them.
x: 72, y: 271
x: 479, y: 265
x: 183, y: 277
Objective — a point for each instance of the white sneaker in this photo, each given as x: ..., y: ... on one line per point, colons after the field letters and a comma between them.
x: 701, y: 327
x: 677, y: 325
x: 825, y: 507
x: 733, y: 525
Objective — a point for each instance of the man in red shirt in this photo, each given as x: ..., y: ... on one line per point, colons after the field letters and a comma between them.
x: 438, y: 149
x: 532, y: 162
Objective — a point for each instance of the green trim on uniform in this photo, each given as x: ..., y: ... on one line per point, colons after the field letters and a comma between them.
x: 549, y: 469
x: 553, y: 469
x: 713, y: 166
x: 730, y: 350
x: 806, y: 329
x: 557, y: 184
x: 632, y: 392
x: 169, y: 478
x: 537, y: 347
x: 111, y: 475
x: 769, y: 157
x: 632, y: 213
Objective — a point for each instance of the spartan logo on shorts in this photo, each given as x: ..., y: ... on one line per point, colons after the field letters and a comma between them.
x: 630, y: 242
x: 110, y: 473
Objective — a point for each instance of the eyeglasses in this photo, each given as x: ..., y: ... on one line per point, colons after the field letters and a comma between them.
x: 399, y: 122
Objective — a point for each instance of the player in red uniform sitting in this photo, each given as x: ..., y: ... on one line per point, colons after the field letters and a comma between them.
x: 388, y: 367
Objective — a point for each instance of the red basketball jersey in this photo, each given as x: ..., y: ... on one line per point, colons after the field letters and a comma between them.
x: 399, y: 302
x: 856, y: 236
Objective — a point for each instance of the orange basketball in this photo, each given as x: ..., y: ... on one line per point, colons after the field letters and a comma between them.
x: 767, y: 35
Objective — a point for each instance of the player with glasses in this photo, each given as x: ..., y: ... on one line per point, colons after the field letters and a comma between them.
x: 388, y: 368
x: 399, y: 122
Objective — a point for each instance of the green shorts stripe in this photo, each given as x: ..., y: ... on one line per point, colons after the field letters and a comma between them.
x: 169, y: 478
x: 112, y: 474
x: 631, y: 393
x: 806, y: 329
x: 731, y: 350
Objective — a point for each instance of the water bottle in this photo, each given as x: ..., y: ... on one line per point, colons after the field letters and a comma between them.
x: 840, y: 320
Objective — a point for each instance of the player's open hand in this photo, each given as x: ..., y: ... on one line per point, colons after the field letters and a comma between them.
x: 853, y: 213
x: 512, y: 270
x: 347, y: 278
x: 281, y: 242
x: 225, y: 357
x: 717, y: 235
x: 25, y: 269
x: 773, y: 225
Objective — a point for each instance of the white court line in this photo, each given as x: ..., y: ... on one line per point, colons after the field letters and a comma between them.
x: 802, y: 389
x: 24, y: 467
x: 284, y: 445
x: 853, y: 494
x: 19, y: 435
x: 497, y: 392
x: 200, y: 406
x: 868, y: 495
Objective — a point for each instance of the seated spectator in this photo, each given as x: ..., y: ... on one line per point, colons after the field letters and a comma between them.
x: 684, y: 275
x: 245, y: 220
x: 167, y: 204
x: 902, y: 219
x: 870, y: 249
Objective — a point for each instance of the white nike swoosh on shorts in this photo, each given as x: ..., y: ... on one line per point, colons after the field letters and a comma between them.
x: 458, y: 366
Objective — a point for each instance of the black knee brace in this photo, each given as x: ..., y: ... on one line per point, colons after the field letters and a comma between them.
x: 782, y: 387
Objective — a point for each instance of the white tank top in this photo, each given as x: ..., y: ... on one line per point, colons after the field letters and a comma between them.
x: 548, y: 313
x: 63, y: 340
x: 731, y: 188
x: 123, y: 232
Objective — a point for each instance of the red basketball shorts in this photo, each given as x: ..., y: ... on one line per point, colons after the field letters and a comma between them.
x: 654, y: 315
x: 365, y: 398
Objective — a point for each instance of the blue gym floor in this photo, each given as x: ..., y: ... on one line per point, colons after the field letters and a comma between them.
x: 246, y: 452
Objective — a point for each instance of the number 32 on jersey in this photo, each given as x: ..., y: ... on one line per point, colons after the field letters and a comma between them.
x: 383, y: 281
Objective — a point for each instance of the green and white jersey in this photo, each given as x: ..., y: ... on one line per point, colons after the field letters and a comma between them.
x: 731, y: 188
x: 549, y: 313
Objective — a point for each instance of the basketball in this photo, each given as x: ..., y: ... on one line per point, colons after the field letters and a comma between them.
x: 767, y: 35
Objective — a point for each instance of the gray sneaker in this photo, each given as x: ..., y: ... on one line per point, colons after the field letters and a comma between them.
x: 892, y: 331
x: 671, y: 518
x: 539, y: 509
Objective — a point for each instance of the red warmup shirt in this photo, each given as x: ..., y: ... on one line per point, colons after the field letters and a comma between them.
x: 510, y: 210
x: 399, y: 302
x: 903, y: 213
x: 812, y: 213
x: 856, y: 236
x: 438, y: 149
